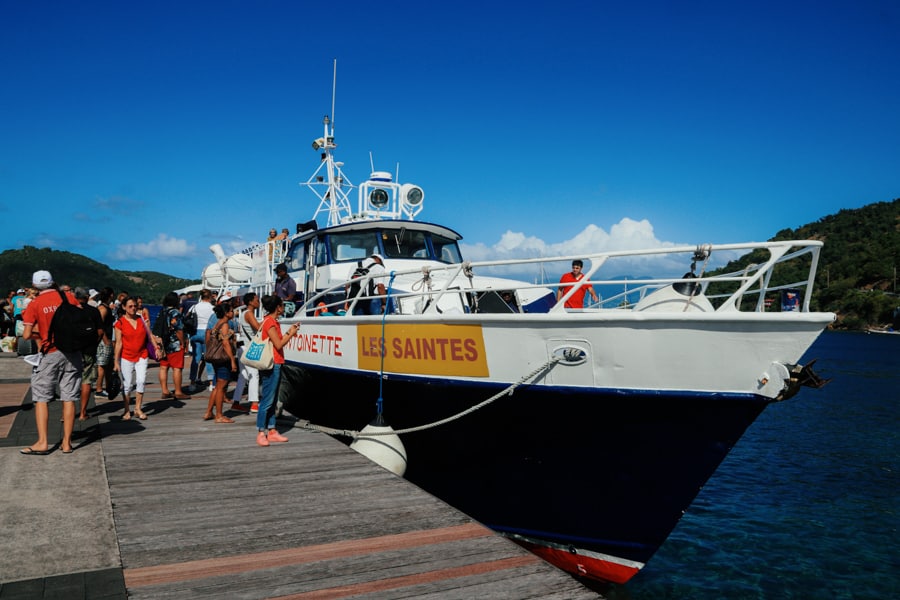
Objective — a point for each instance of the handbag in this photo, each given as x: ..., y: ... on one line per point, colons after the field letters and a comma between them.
x: 154, y: 350
x: 115, y: 386
x: 215, y: 349
x: 259, y: 354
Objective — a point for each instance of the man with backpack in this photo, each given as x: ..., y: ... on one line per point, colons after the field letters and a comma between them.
x: 56, y: 367
x: 364, y: 306
x: 89, y: 353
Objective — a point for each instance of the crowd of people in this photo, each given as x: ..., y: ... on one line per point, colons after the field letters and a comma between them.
x: 115, y: 359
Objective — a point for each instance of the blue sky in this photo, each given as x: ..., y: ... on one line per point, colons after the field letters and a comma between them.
x: 140, y: 133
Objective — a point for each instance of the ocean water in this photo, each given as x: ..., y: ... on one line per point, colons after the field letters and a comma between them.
x: 807, y: 505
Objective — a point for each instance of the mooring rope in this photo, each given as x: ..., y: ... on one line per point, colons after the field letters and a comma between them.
x: 508, y: 391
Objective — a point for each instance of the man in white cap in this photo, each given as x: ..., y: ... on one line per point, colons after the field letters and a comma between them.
x: 56, y: 367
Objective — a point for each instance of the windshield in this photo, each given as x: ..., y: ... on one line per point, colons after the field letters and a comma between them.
x: 354, y: 245
x: 403, y: 243
x: 445, y: 249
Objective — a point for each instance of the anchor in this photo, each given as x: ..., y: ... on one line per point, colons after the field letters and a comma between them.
x: 800, y: 376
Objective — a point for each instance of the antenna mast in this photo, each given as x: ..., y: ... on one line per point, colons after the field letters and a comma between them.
x: 333, y: 95
x: 332, y: 187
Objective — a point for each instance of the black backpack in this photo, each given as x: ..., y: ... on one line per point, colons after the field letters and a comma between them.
x: 190, y: 322
x: 161, y: 325
x: 359, y: 273
x: 72, y: 328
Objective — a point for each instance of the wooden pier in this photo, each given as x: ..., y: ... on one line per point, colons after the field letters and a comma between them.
x: 197, y: 510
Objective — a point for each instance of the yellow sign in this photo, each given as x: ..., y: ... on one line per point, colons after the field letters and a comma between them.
x: 423, y: 349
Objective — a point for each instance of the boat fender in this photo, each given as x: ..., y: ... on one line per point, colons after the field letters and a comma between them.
x: 378, y: 442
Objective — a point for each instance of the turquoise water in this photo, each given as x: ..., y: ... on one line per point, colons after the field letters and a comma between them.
x: 807, y: 505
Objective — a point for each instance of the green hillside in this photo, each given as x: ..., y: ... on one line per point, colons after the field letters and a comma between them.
x: 857, y: 274
x: 17, y: 266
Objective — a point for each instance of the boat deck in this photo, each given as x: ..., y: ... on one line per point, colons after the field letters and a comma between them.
x: 177, y: 507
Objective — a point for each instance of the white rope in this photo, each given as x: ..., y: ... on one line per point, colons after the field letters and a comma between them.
x: 424, y: 282
x: 508, y: 391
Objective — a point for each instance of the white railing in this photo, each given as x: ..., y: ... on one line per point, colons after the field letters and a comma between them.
x: 725, y: 291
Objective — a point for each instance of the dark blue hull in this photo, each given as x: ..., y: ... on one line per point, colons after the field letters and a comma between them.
x: 610, y: 472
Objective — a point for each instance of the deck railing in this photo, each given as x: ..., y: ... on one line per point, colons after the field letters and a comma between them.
x: 725, y: 291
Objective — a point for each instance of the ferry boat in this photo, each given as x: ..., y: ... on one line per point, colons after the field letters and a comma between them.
x: 582, y: 434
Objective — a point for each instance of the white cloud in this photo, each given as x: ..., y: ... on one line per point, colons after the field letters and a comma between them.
x: 161, y: 248
x: 627, y: 234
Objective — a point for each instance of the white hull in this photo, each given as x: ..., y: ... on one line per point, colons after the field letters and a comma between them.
x: 732, y: 353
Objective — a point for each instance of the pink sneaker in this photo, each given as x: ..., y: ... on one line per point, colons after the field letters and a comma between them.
x: 274, y: 436
x: 261, y: 439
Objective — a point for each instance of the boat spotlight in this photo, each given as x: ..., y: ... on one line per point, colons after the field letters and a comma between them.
x: 318, y: 143
x: 378, y: 198
x: 411, y: 194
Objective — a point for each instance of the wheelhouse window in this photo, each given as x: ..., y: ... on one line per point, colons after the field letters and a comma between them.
x: 321, y: 254
x: 404, y: 243
x: 445, y: 249
x: 353, y: 245
x: 296, y: 257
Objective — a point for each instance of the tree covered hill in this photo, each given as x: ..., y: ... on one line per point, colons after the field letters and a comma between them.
x: 17, y: 266
x: 857, y: 274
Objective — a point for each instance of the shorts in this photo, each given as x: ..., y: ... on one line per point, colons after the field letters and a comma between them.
x: 63, y: 368
x: 88, y: 369
x: 104, y: 354
x: 223, y: 372
x: 174, y: 360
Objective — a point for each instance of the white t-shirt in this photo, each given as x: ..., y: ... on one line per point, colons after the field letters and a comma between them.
x: 204, y: 311
x: 379, y: 275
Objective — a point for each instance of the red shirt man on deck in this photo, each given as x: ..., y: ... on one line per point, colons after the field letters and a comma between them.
x: 56, y: 367
x: 577, y: 299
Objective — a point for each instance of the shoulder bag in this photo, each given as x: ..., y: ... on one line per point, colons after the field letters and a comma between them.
x: 154, y: 350
x: 258, y: 354
x: 215, y: 350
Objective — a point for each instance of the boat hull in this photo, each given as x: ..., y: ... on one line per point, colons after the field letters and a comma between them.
x: 591, y: 480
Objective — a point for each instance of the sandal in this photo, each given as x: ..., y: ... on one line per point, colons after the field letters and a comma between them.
x: 141, y: 415
x: 32, y: 452
x: 224, y: 420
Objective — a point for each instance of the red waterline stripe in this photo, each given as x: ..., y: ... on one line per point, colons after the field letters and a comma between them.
x: 394, y: 583
x: 202, y: 569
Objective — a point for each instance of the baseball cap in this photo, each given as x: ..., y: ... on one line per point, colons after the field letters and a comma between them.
x: 41, y: 280
x: 92, y: 292
x: 20, y: 291
x: 378, y: 256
